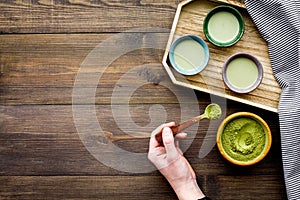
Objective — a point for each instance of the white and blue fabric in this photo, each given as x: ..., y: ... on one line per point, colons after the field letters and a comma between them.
x: 278, y: 22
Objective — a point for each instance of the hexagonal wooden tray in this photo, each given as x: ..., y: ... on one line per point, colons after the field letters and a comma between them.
x: 189, y: 20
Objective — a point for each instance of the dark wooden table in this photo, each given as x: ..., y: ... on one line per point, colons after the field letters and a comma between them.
x: 43, y: 44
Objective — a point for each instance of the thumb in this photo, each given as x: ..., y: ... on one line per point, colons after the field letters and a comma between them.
x: 168, y: 140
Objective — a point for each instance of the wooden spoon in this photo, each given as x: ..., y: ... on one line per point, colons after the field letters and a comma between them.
x: 212, y: 111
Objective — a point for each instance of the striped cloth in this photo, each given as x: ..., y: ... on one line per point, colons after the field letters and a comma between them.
x: 278, y: 21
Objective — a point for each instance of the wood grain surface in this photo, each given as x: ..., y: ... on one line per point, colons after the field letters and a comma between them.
x: 44, y: 44
x: 189, y: 20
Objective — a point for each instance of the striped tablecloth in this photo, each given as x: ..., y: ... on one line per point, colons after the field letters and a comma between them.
x: 279, y: 24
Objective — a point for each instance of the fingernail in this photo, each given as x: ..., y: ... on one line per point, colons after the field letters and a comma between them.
x: 183, y: 134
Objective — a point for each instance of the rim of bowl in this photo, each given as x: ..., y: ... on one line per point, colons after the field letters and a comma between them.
x: 255, y: 84
x: 258, y: 119
x: 233, y: 11
x: 198, y: 69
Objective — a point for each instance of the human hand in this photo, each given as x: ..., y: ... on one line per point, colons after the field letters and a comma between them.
x: 169, y: 160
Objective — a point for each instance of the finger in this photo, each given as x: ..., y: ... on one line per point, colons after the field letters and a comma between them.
x: 159, y: 128
x: 153, y: 142
x: 168, y: 140
x: 180, y: 136
x: 177, y: 147
x: 170, y: 124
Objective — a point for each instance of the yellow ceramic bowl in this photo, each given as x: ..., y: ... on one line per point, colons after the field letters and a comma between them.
x: 244, y: 138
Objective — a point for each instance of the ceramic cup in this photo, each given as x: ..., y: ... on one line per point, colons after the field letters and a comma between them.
x: 189, y: 54
x: 223, y: 26
x: 238, y: 146
x: 242, y: 73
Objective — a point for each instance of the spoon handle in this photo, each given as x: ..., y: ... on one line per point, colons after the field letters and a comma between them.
x: 176, y: 129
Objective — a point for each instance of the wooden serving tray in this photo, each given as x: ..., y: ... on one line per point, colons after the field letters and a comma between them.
x: 189, y: 20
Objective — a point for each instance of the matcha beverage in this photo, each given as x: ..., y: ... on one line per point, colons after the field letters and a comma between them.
x: 242, y: 72
x: 223, y: 27
x: 189, y: 55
